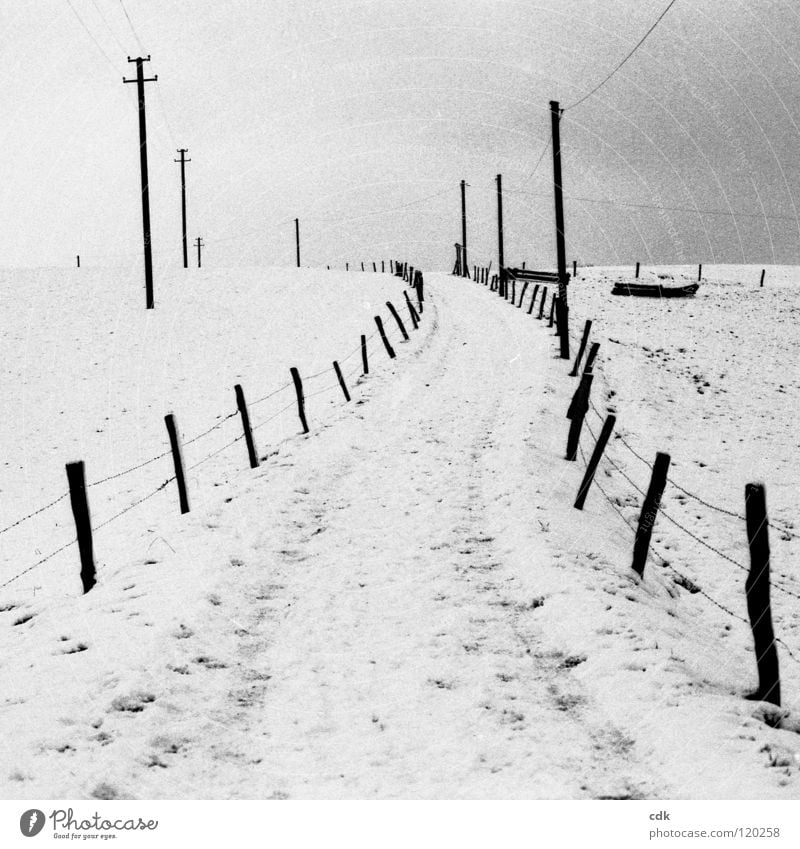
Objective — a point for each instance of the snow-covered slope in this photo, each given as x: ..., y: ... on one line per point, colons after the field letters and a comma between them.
x: 403, y: 603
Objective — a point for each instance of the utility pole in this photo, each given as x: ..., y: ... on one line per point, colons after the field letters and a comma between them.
x: 464, y: 264
x: 297, y: 241
x: 563, y: 278
x: 199, y: 241
x: 148, y: 256
x: 499, y: 179
x: 183, y: 151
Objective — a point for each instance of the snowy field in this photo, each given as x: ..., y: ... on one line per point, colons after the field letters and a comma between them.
x: 402, y: 604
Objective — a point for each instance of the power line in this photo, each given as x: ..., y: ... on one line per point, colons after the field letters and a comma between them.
x: 133, y: 29
x: 638, y: 45
x: 89, y: 33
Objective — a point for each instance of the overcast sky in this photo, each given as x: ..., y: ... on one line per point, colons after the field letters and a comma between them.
x: 348, y: 114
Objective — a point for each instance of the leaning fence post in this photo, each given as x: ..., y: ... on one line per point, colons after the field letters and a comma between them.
x: 647, y: 518
x: 544, y: 298
x: 374, y: 268
x: 589, y: 367
x: 552, y: 310
x: 411, y: 311
x: 637, y: 270
x: 177, y: 460
x: 301, y: 401
x: 579, y: 407
x: 248, y: 434
x: 389, y: 349
x: 758, y: 603
x: 763, y: 272
x: 522, y: 294
x: 397, y: 318
x: 533, y: 298
x: 418, y: 285
x: 600, y: 446
x: 76, y: 478
x: 364, y: 360
x: 586, y: 328
x: 341, y: 380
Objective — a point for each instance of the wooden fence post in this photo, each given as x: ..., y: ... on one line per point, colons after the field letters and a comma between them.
x: 383, y: 266
x: 513, y: 291
x: 758, y: 602
x: 699, y: 272
x: 763, y: 272
x: 579, y: 407
x: 248, y: 434
x: 522, y: 294
x: 177, y: 460
x: 637, y: 270
x: 389, y: 349
x: 533, y: 299
x: 574, y: 268
x: 397, y: 318
x: 552, y: 309
x: 364, y: 360
x: 76, y: 477
x: 301, y: 401
x: 544, y: 298
x: 411, y: 311
x: 562, y: 316
x: 341, y: 380
x: 589, y: 367
x: 600, y: 446
x: 647, y: 518
x: 584, y: 339
x: 79, y: 260
x: 374, y: 267
x: 418, y: 285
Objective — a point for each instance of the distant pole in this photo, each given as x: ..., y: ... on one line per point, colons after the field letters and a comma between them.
x: 699, y: 272
x: 464, y: 265
x: 763, y: 272
x: 148, y: 255
x: 297, y: 239
x: 499, y: 180
x: 183, y: 151
x: 199, y: 242
x: 563, y: 324
x: 78, y: 257
x: 574, y: 268
x: 637, y: 270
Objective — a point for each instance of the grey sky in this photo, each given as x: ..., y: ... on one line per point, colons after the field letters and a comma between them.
x: 335, y: 112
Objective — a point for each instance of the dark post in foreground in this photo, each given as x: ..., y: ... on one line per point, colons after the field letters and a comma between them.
x: 563, y: 277
x: 389, y: 349
x: 183, y: 160
x: 340, y: 376
x: 600, y: 446
x: 464, y: 265
x: 637, y: 270
x: 647, y: 518
x: 533, y: 299
x: 500, y: 261
x: 297, y: 240
x: 301, y: 400
x: 177, y: 461
x: 364, y: 360
x: 248, y: 434
x: 758, y: 603
x: 541, y: 304
x: 411, y: 311
x: 148, y: 255
x: 83, y: 526
x: 763, y: 272
x: 592, y: 357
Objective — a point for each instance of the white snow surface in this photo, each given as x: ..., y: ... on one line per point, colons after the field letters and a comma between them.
x: 404, y: 602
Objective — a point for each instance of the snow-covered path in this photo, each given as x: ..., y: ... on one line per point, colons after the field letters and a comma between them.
x: 385, y: 643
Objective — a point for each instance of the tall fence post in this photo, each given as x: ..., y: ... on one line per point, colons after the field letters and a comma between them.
x: 177, y: 461
x: 340, y: 376
x: 578, y: 408
x: 364, y: 360
x: 389, y: 349
x: 419, y: 284
x: 758, y: 602
x: 76, y: 478
x: 301, y: 400
x: 411, y: 311
x: 533, y: 299
x: 584, y: 339
x: 248, y: 433
x: 647, y: 518
x: 522, y: 294
x: 600, y: 446
x: 561, y: 252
